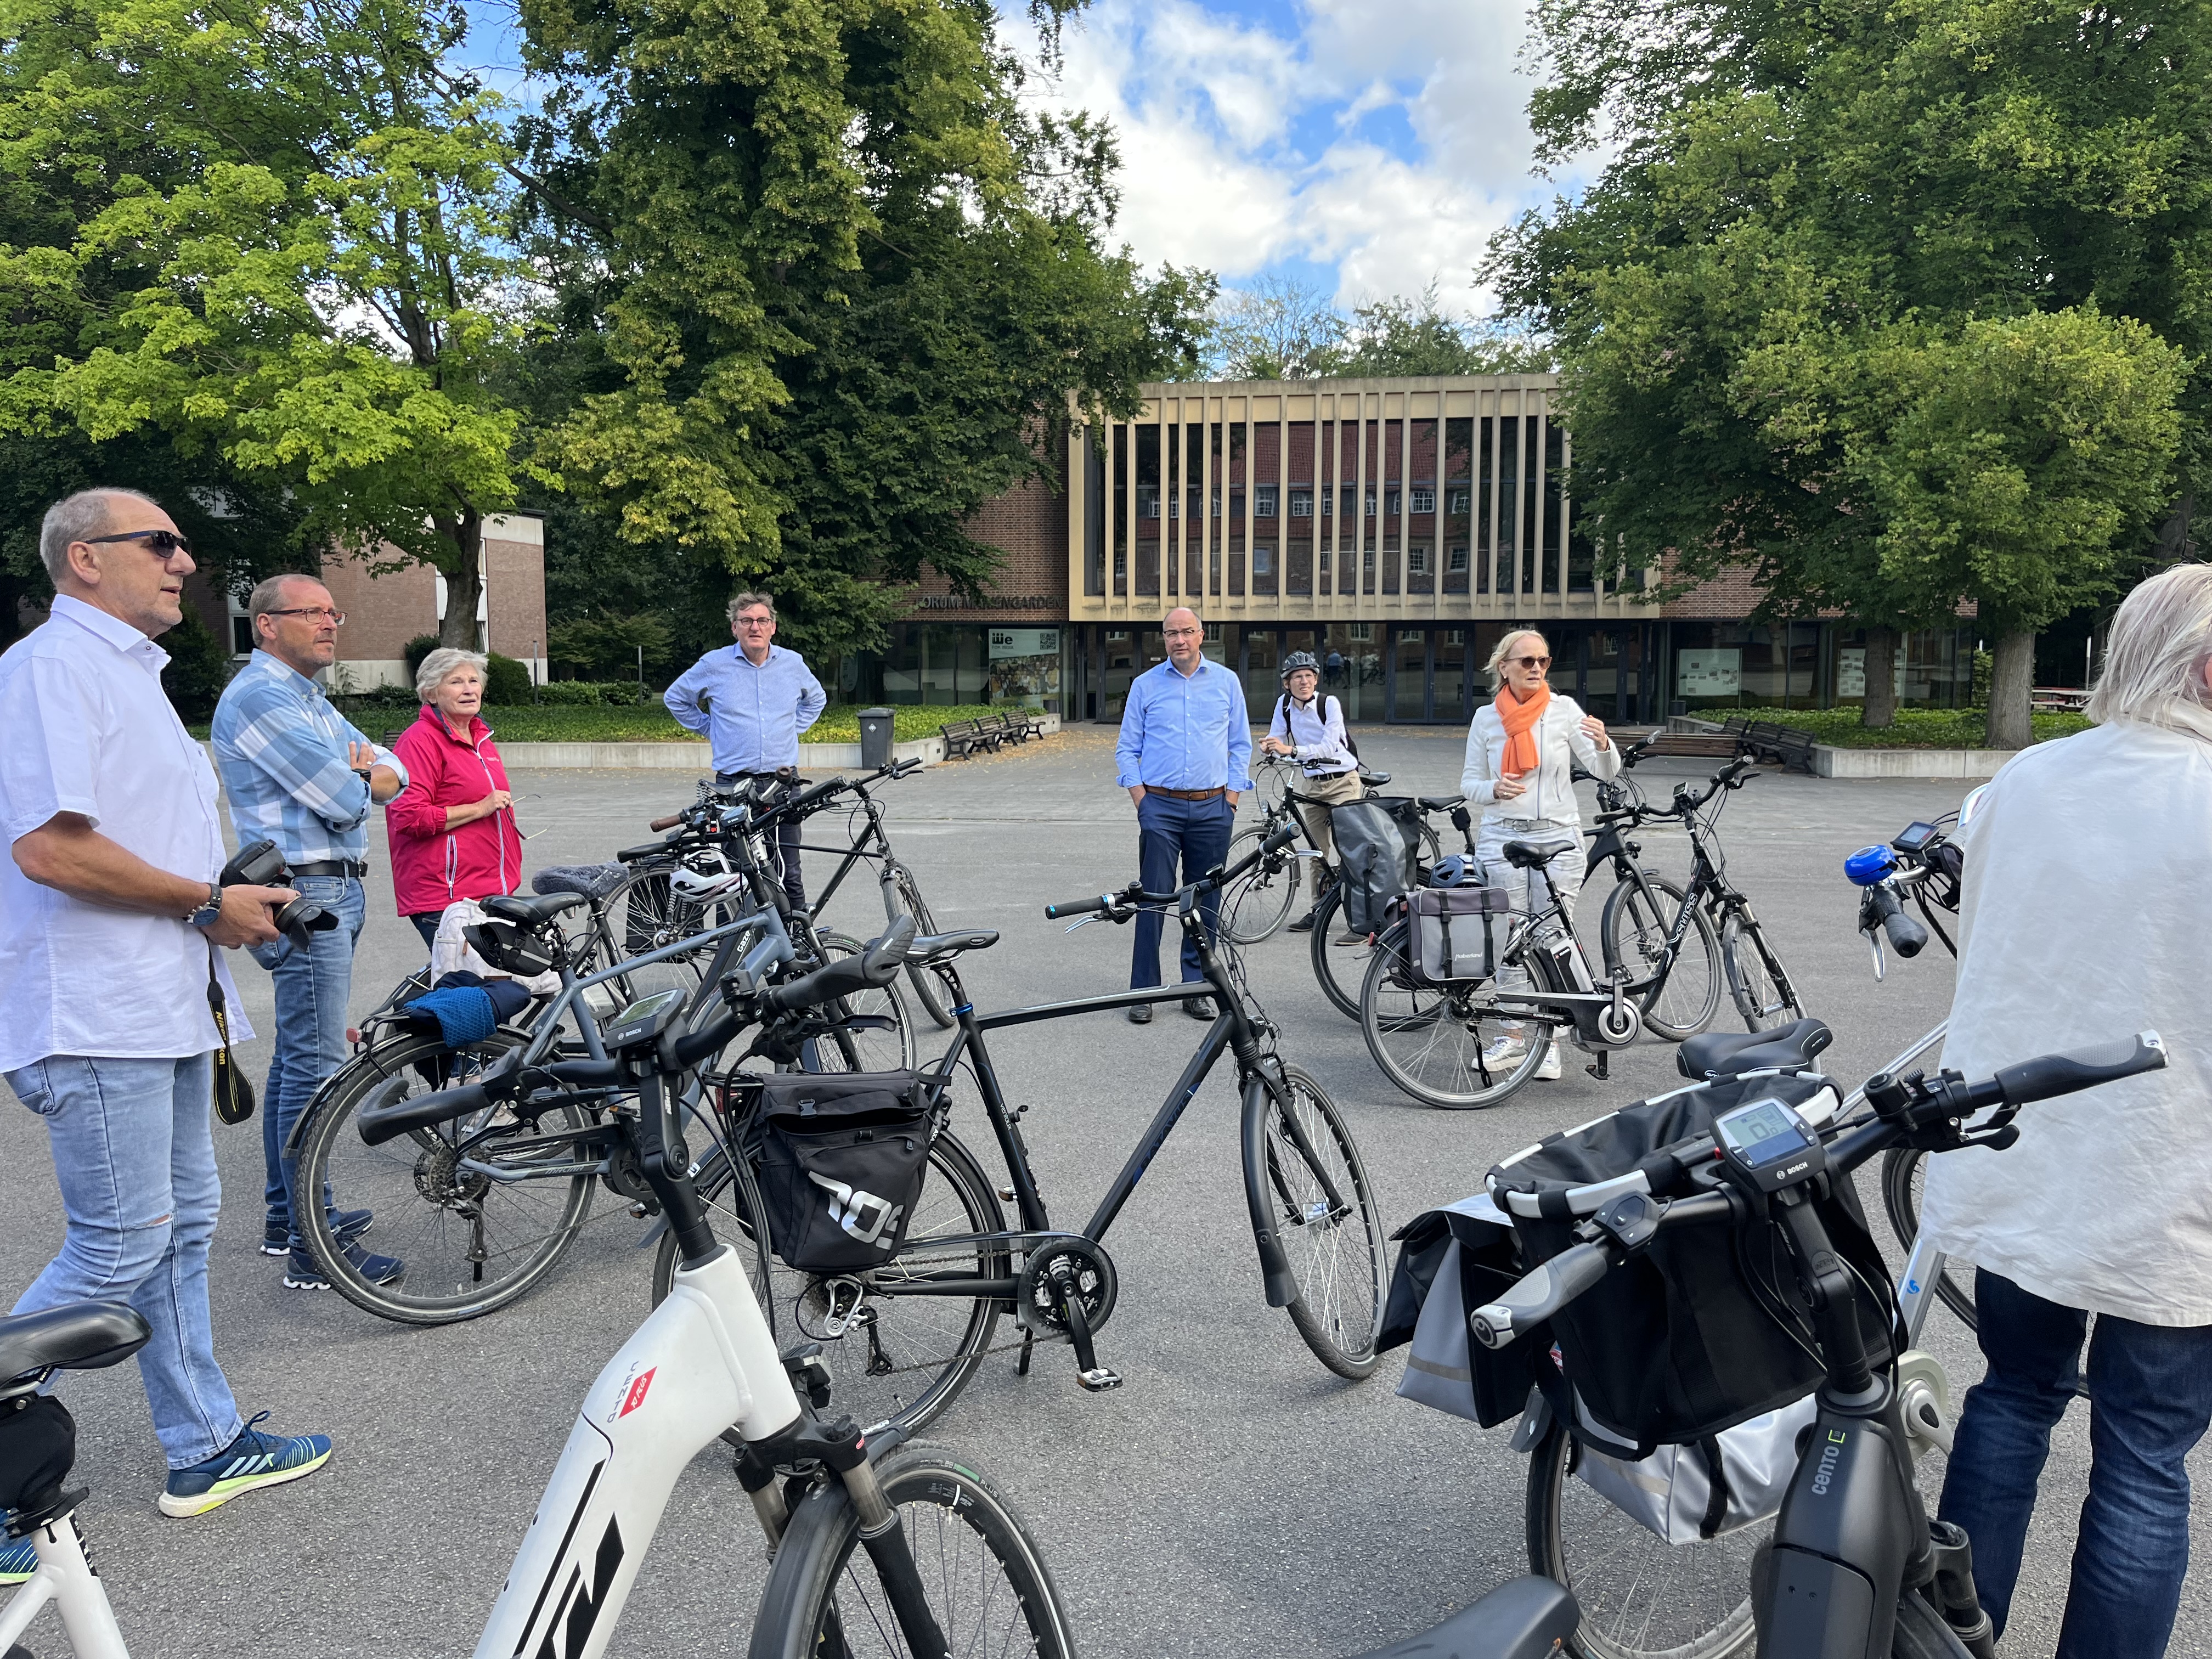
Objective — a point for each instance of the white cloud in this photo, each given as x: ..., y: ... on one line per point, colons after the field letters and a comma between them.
x: 1384, y: 138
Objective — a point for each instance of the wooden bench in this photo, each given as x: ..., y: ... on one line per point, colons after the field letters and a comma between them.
x: 963, y: 738
x: 1022, y: 724
x: 1697, y: 745
x: 1003, y: 728
x: 1791, y: 748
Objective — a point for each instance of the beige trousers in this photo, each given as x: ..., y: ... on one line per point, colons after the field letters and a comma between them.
x: 1335, y: 792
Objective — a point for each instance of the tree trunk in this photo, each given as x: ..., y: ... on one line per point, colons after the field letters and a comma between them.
x: 464, y: 582
x: 2012, y: 677
x: 1880, y: 708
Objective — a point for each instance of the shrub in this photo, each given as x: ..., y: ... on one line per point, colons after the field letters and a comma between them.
x: 414, y: 650
x: 506, y: 680
x: 570, y: 694
x: 198, y: 668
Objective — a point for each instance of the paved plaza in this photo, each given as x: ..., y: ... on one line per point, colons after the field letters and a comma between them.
x: 1232, y: 1498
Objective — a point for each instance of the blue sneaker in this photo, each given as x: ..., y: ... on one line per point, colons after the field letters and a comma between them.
x: 252, y: 1460
x: 18, y: 1561
x: 276, y: 1239
x: 304, y: 1272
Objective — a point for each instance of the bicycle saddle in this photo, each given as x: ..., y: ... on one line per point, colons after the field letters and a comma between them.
x: 530, y: 912
x: 936, y: 947
x: 1525, y: 855
x: 78, y: 1336
x: 1367, y: 774
x: 1731, y: 1054
x: 1522, y: 1619
x: 592, y: 880
x: 1439, y: 803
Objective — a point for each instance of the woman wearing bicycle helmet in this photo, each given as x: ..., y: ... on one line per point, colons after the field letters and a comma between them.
x: 1521, y: 755
x: 1309, y: 729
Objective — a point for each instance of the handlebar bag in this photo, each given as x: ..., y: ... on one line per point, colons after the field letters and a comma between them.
x: 1458, y: 930
x: 1707, y: 1328
x: 1377, y: 865
x: 841, y: 1157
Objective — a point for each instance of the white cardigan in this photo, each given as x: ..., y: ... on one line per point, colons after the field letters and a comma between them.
x: 2084, y: 920
x: 1560, y: 741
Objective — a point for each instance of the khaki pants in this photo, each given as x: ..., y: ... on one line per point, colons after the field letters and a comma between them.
x: 1334, y: 791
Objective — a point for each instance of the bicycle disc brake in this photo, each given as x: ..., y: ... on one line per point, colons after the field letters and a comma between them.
x: 1068, y: 1287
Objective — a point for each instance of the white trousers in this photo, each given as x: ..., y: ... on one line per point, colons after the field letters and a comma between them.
x: 1527, y: 886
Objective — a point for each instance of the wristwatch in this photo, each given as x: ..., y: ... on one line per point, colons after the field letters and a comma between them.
x: 210, y: 908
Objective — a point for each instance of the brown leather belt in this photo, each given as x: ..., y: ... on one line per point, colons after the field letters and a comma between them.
x: 1184, y: 795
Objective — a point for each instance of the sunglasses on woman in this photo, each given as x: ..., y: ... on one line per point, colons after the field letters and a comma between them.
x: 163, y: 543
x: 1532, y: 662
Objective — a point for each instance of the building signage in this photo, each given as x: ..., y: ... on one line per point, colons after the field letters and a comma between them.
x: 1025, y: 642
x: 1709, y: 673
x: 1851, y: 670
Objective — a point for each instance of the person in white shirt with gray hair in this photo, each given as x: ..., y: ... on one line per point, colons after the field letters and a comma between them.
x: 2104, y: 1204
x: 1309, y: 728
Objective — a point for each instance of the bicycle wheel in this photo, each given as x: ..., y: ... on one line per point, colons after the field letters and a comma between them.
x: 1756, y: 982
x: 462, y: 1203
x: 893, y: 1357
x: 930, y: 990
x: 1634, y: 934
x: 1446, y: 1045
x: 1641, y: 1596
x: 1339, y: 968
x: 985, y: 1581
x: 1328, y: 1222
x: 1902, y: 1169
x: 1256, y: 904
x: 861, y: 1048
x: 644, y: 914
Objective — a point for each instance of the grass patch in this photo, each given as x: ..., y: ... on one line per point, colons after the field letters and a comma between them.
x: 653, y: 723
x: 1916, y: 728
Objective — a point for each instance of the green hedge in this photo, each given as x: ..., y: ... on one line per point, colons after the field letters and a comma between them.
x: 1916, y: 728
x: 551, y: 720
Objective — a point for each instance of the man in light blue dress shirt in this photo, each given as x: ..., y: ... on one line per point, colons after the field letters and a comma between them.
x: 1185, y: 755
x: 752, y: 702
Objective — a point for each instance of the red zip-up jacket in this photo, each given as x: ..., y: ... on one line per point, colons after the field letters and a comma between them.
x: 431, y: 865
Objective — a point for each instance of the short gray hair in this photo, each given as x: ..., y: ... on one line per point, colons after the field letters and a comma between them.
x: 79, y: 518
x: 268, y: 594
x: 745, y: 601
x: 441, y: 662
x: 2161, y: 640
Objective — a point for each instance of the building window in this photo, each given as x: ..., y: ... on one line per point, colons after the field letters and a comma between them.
x: 1263, y: 501
x: 1172, y: 505
x: 1148, y: 501
x: 1117, y: 637
x: 1416, y: 560
x: 1390, y: 505
x: 1216, y: 503
x: 1424, y: 501
x: 1455, y: 561
x: 1371, y: 503
x: 1212, y: 633
x: 1461, y: 500
x: 1455, y: 636
x: 1363, y: 630
x: 1263, y: 559
x: 1327, y: 500
x: 1235, y: 503
x: 1302, y: 503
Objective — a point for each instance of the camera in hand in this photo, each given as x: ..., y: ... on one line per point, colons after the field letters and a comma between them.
x: 262, y: 866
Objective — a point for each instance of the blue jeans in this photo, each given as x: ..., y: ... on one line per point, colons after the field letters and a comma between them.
x: 312, y: 986
x: 134, y: 1153
x: 2151, y: 1397
x: 1196, y: 833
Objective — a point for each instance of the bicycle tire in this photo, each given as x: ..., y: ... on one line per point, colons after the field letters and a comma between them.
x: 644, y: 914
x: 1901, y: 1197
x: 872, y: 1051
x: 934, y: 995
x: 819, y: 1600
x: 1641, y: 1597
x: 956, y: 1202
x: 1760, y: 989
x: 1435, y: 1042
x: 1257, y: 905
x: 1341, y: 1281
x: 1634, y: 938
x: 1339, y: 968
x: 430, y: 1214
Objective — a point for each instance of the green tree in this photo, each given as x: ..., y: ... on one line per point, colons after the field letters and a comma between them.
x: 270, y: 235
x: 1818, y: 228
x: 842, y: 288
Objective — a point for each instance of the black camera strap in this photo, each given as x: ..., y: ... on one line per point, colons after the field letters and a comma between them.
x: 233, y: 1095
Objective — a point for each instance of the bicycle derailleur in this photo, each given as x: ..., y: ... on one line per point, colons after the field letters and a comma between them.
x: 1068, y: 1287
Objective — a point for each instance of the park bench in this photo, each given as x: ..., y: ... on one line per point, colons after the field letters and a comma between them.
x: 1024, y: 724
x: 1699, y: 745
x: 1003, y: 729
x: 1791, y: 748
x: 964, y: 737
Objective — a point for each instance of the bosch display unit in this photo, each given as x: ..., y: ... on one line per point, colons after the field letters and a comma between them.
x: 1769, y: 1145
x: 1914, y: 837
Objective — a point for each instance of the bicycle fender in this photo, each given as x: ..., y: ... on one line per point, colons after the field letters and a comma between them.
x: 1282, y: 1286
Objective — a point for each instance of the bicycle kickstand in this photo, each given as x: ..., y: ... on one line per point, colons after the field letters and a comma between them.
x: 1089, y: 1372
x: 1597, y: 1067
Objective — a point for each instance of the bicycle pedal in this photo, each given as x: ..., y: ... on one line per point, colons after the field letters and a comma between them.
x: 1005, y: 1194
x: 1100, y: 1380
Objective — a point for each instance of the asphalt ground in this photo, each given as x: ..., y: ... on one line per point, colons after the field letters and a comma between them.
x: 1232, y: 1498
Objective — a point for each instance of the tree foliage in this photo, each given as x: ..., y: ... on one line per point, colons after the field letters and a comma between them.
x: 1279, y: 329
x: 1897, y: 305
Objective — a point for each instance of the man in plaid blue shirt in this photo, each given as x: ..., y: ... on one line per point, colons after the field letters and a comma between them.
x: 300, y: 773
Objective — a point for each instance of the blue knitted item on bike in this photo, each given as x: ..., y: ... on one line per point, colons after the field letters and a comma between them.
x: 465, y: 1013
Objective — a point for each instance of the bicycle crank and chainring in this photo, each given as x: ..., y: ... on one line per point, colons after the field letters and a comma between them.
x: 1094, y: 1284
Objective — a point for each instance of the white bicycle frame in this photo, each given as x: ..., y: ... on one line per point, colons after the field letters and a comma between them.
x: 65, y: 1577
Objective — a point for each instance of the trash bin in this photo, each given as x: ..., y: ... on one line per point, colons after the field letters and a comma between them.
x: 875, y: 739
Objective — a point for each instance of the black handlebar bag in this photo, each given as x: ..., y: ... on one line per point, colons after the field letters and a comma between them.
x: 841, y: 1158
x: 1708, y: 1326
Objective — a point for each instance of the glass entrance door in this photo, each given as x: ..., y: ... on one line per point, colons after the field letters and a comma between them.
x: 1409, y: 661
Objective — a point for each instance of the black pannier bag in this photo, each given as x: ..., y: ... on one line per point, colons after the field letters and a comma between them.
x: 1706, y: 1328
x: 841, y: 1157
x: 38, y: 1444
x: 1451, y: 1261
x: 1376, y: 864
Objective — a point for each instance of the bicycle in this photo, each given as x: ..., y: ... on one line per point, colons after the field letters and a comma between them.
x: 1258, y: 906
x: 1339, y: 968
x: 1851, y: 1564
x: 841, y: 1511
x: 1306, y: 1193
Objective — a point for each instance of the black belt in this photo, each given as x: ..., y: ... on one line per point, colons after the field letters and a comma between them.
x: 331, y: 867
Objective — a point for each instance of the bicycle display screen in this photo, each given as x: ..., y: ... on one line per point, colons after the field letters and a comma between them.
x: 1913, y: 837
x: 1768, y: 1143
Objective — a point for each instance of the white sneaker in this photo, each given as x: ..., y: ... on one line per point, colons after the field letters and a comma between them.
x: 1549, y: 1070
x: 1503, y: 1053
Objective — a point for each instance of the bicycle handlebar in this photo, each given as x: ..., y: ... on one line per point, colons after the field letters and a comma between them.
x: 2050, y: 1075
x: 1539, y: 1294
x: 1083, y: 907
x: 1133, y: 896
x: 1907, y: 937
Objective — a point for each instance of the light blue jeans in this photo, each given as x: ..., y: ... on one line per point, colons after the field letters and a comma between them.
x: 134, y: 1153
x: 312, y: 986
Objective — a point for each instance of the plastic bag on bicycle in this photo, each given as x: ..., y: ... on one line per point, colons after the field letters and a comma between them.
x: 841, y: 1157
x: 1707, y: 1328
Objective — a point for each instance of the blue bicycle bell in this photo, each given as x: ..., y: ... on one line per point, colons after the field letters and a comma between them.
x: 1870, y: 865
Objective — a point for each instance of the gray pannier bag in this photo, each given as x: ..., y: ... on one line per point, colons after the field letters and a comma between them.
x: 1671, y: 1491
x: 1373, y: 852
x: 1459, y: 932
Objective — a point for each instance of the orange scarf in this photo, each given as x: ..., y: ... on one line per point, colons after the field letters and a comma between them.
x: 1519, y: 720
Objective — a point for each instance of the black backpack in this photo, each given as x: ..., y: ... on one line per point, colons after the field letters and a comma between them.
x: 1283, y: 710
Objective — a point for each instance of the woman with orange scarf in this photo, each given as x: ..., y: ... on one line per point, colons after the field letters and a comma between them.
x: 1521, y: 753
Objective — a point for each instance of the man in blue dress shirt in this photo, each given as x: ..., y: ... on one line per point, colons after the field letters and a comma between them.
x: 1184, y: 757
x: 752, y: 702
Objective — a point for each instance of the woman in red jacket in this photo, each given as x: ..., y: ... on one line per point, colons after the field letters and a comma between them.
x: 452, y: 828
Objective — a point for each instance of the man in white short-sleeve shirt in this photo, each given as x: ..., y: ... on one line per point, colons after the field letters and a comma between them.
x: 110, y: 921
